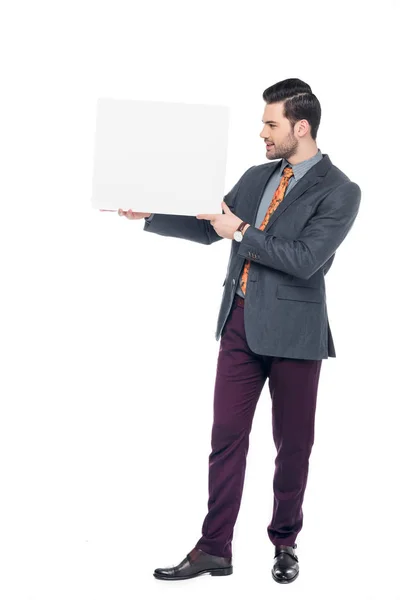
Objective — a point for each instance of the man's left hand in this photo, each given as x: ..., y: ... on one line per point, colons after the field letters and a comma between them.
x: 225, y: 225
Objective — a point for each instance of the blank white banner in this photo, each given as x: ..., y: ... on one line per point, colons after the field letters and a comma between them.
x: 160, y: 157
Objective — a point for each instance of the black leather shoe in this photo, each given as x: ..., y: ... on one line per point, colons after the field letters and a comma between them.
x: 197, y: 562
x: 286, y: 564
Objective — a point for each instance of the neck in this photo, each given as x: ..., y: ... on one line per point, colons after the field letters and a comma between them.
x: 303, y: 154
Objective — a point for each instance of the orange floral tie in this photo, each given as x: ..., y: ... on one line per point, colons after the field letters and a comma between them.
x: 276, y: 200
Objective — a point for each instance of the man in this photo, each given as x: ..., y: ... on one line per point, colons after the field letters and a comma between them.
x: 286, y: 218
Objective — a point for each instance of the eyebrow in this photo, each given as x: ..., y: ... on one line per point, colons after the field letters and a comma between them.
x: 269, y: 122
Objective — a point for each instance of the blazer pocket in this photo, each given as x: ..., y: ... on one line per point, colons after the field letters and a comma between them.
x: 299, y: 293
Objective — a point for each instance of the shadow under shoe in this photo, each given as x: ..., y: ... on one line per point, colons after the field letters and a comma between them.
x: 197, y: 562
x: 286, y: 564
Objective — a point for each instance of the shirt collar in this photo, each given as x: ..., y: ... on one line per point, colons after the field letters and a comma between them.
x: 301, y: 168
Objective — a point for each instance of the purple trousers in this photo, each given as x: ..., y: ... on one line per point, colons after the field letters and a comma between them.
x: 240, y: 378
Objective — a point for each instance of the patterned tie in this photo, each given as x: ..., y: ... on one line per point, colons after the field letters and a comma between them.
x: 276, y: 200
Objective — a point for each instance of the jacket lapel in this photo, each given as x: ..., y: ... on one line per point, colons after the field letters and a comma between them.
x: 311, y: 178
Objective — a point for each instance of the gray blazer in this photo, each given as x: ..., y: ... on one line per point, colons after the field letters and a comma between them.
x: 285, y: 311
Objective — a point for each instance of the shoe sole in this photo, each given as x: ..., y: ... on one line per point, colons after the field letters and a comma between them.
x: 284, y: 580
x: 213, y: 572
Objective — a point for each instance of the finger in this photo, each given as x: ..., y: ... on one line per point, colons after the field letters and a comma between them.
x: 209, y: 217
x: 225, y: 207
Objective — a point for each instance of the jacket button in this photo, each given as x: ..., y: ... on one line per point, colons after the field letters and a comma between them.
x: 233, y: 282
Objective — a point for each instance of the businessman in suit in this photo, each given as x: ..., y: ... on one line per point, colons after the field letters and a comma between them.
x: 286, y: 219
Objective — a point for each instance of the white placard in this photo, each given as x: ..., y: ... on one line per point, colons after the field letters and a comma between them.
x: 160, y: 157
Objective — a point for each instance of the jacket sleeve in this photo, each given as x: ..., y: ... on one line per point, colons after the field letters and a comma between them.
x: 188, y: 227
x: 318, y: 241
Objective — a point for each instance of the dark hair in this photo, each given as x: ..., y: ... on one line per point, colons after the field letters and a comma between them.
x: 300, y: 102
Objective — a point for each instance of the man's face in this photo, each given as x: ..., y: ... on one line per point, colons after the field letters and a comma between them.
x: 278, y: 131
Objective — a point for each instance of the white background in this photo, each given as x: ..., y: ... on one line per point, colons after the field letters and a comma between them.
x: 107, y: 332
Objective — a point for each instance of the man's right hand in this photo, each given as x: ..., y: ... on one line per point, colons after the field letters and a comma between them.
x: 132, y: 215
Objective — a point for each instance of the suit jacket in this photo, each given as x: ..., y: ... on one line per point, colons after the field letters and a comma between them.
x: 285, y: 312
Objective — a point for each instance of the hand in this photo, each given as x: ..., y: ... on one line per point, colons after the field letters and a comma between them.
x: 225, y: 225
x: 132, y: 215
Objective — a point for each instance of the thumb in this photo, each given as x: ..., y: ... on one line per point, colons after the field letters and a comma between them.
x: 225, y: 207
